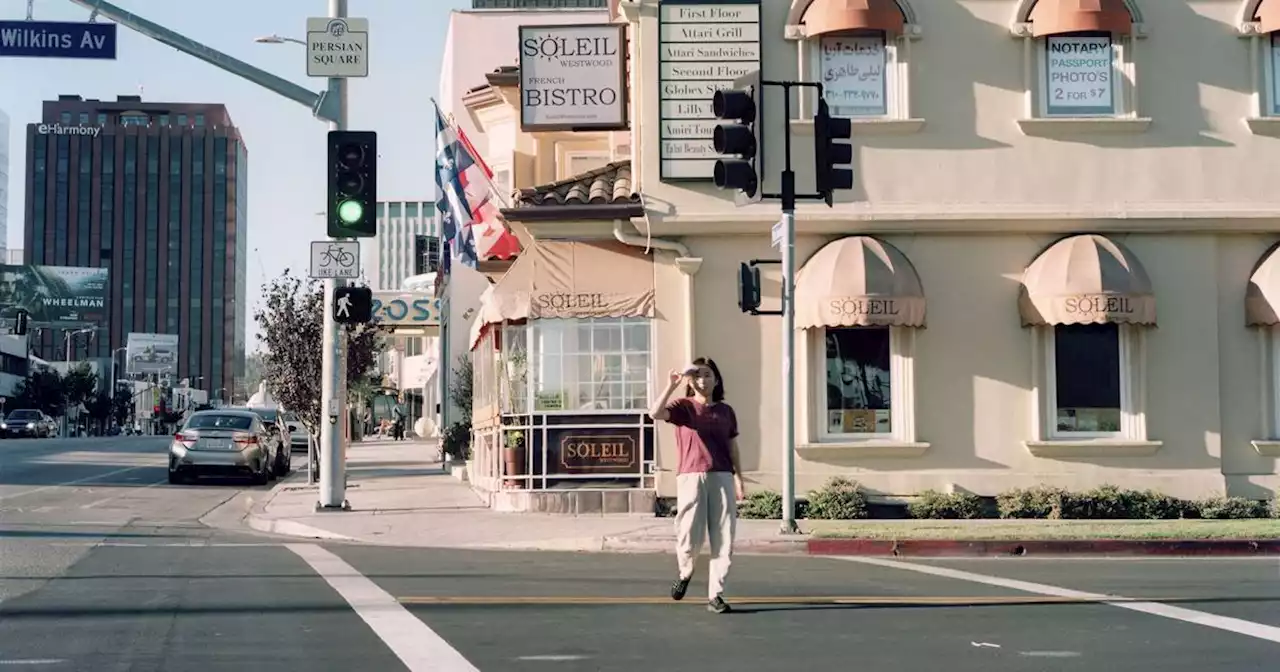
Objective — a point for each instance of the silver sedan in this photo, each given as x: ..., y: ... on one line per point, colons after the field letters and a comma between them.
x: 221, y: 443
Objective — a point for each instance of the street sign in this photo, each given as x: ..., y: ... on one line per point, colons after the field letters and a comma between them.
x: 777, y: 235
x: 58, y: 39
x: 335, y: 259
x: 337, y: 47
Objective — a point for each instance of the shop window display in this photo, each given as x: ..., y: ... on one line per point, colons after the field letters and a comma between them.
x: 858, y: 397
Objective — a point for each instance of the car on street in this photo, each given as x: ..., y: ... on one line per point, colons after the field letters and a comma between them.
x: 224, y: 442
x: 279, y: 429
x: 29, y: 423
x: 299, y: 437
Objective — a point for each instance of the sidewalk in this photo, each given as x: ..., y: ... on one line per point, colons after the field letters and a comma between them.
x: 400, y: 496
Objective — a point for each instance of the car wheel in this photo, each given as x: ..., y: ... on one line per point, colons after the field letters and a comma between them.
x: 284, y: 463
x: 263, y: 475
x: 176, y: 478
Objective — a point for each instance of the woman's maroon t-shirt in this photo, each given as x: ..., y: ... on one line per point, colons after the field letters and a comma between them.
x: 704, y: 434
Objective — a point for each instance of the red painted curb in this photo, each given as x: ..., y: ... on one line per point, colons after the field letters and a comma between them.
x: 977, y: 548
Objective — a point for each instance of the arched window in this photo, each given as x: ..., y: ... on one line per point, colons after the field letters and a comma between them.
x: 1078, y: 63
x: 859, y: 50
x: 1260, y: 22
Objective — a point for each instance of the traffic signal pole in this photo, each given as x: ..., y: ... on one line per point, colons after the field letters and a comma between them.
x: 333, y: 348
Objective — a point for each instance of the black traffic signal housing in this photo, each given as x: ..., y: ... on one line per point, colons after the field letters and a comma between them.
x: 21, y: 322
x: 737, y: 137
x: 352, y: 305
x: 748, y: 287
x: 832, y: 153
x: 353, y: 184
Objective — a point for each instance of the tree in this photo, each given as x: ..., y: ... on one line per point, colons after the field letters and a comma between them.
x: 41, y: 390
x: 290, y: 323
x: 79, y: 385
x: 122, y: 405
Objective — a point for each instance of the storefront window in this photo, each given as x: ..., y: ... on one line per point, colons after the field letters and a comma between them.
x: 1086, y: 387
x: 599, y: 364
x: 858, y: 396
x: 855, y: 71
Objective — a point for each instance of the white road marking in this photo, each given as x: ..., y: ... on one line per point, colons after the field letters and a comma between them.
x: 86, y: 479
x: 1050, y: 654
x: 34, y: 661
x: 1240, y: 626
x: 985, y: 644
x: 128, y: 492
x: 554, y: 659
x: 415, y: 644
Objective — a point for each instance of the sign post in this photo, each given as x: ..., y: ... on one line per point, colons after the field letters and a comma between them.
x: 58, y: 39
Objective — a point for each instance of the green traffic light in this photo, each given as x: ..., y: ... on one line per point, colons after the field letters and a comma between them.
x: 350, y: 212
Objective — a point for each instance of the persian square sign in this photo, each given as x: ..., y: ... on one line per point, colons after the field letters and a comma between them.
x: 573, y: 77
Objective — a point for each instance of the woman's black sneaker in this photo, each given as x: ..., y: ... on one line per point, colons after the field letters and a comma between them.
x: 678, y: 588
x: 718, y: 605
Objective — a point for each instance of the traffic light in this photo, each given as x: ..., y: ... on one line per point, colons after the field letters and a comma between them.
x: 748, y: 287
x: 21, y: 320
x: 737, y: 136
x: 352, y: 305
x: 832, y: 154
x: 353, y: 184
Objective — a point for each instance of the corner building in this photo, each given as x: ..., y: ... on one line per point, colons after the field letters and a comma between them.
x: 1055, y: 265
x: 157, y: 192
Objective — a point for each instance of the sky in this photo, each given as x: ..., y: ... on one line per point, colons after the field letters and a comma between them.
x: 286, y: 145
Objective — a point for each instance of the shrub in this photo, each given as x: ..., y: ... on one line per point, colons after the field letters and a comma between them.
x: 457, y: 441
x: 957, y: 505
x: 1224, y: 508
x: 839, y: 499
x: 1152, y: 505
x: 1275, y: 504
x: 761, y: 505
x: 1040, y: 501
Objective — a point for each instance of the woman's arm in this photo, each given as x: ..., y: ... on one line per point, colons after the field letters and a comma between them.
x: 658, y: 411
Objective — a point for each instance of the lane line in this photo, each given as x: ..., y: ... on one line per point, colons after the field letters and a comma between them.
x: 24, y: 493
x: 415, y: 644
x: 791, y: 599
x: 34, y: 661
x: 1240, y: 626
x: 129, y: 491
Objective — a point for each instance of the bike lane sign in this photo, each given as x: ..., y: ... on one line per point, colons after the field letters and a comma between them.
x: 335, y: 259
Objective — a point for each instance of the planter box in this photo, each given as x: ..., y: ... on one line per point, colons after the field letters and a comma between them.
x: 459, y: 472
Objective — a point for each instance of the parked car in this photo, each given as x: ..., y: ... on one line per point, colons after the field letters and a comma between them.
x: 279, y: 430
x: 29, y: 423
x: 299, y: 437
x: 224, y: 442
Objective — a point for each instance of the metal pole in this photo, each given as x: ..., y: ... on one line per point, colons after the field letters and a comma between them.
x: 333, y: 369
x: 788, y: 331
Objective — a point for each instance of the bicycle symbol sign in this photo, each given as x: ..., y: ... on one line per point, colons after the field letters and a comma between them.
x: 335, y: 259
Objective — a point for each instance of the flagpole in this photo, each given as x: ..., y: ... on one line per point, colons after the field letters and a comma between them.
x: 493, y: 187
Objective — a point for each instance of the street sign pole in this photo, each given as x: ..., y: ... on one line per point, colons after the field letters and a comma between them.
x: 333, y: 364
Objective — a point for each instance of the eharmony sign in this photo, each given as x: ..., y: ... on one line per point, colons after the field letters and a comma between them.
x: 59, y: 129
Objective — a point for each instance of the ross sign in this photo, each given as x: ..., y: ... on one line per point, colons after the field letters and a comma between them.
x: 594, y: 450
x: 573, y: 77
x: 337, y: 47
x: 59, y: 129
x: 335, y: 259
x: 151, y: 353
x: 702, y: 48
x: 58, y: 39
x: 853, y: 75
x: 55, y: 296
x: 1080, y: 75
x: 406, y: 309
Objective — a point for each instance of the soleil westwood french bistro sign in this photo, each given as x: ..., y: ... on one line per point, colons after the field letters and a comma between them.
x: 573, y: 77
x: 702, y: 48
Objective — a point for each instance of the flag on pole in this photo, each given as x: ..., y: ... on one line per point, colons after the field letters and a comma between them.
x: 470, y: 213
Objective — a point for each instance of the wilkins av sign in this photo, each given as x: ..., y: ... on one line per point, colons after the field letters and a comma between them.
x: 573, y: 77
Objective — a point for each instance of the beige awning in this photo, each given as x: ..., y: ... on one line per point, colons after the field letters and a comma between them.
x: 821, y: 17
x: 1262, y: 296
x: 1268, y: 16
x: 858, y: 281
x: 570, y: 279
x: 1059, y: 17
x: 1086, y: 279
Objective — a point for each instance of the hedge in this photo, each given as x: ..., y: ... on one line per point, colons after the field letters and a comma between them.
x: 842, y: 499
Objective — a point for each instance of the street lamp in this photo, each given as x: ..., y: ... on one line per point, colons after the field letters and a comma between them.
x: 276, y: 39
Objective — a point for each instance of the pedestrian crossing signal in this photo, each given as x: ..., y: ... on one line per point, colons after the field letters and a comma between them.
x: 353, y: 305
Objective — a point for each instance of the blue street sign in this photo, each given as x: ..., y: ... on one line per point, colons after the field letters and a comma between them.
x: 58, y: 39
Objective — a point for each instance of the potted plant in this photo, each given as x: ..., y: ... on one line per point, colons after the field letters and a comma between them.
x: 513, y: 453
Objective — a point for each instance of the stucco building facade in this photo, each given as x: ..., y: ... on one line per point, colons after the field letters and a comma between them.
x: 1053, y: 267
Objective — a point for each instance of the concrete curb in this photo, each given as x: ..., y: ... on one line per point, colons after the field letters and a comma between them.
x: 1095, y: 547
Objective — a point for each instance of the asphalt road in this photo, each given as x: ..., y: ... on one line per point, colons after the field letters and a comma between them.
x: 146, y: 586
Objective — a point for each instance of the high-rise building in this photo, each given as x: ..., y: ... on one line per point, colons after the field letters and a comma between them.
x: 400, y: 224
x: 4, y: 180
x: 157, y: 192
